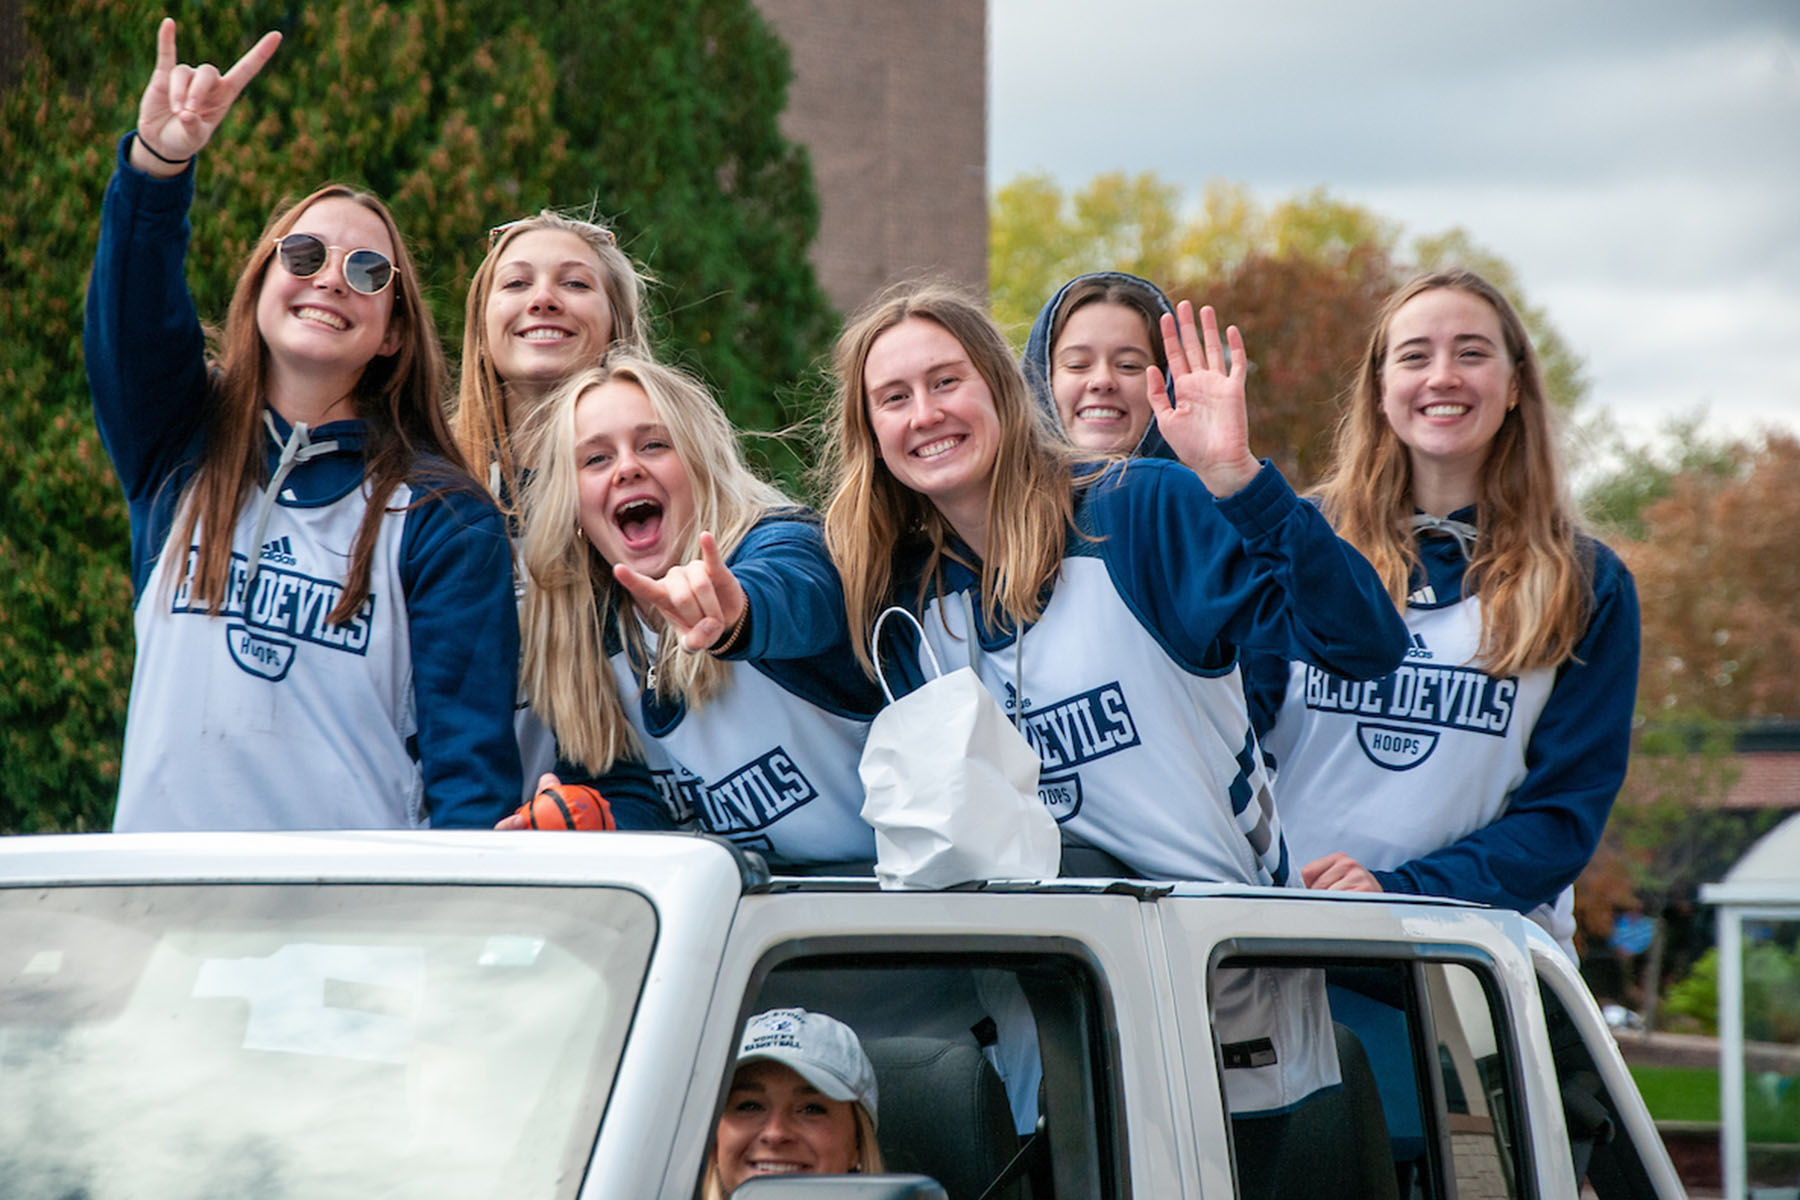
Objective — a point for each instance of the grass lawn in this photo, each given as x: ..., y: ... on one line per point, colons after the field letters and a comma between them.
x: 1692, y: 1094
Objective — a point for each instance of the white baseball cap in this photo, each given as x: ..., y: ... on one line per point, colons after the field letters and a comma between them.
x: 822, y: 1050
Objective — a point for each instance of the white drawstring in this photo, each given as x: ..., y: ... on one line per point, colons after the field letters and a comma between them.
x: 1462, y: 531
x: 298, y: 448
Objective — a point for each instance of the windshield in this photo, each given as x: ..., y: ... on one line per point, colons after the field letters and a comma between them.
x: 304, y: 1040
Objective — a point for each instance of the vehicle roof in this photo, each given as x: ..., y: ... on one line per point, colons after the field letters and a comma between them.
x: 655, y: 863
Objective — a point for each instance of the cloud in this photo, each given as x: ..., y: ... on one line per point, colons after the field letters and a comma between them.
x: 1636, y: 162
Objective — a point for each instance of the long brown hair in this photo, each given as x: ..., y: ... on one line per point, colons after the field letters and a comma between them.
x: 399, y: 397
x: 871, y: 513
x: 571, y: 597
x: 483, y: 429
x: 1534, y: 581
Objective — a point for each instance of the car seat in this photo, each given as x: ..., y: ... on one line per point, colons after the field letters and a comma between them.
x: 944, y: 1113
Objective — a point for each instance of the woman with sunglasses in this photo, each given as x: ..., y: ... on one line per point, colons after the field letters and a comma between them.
x: 326, y: 633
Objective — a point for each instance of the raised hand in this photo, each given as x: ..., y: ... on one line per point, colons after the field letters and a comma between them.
x: 1205, y: 425
x: 699, y: 601
x: 183, y: 105
x: 1338, y: 873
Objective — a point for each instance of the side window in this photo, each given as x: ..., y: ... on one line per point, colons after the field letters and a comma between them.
x: 1397, y: 1073
x: 993, y: 1072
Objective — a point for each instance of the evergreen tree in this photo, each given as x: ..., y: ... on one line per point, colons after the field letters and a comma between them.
x: 663, y: 116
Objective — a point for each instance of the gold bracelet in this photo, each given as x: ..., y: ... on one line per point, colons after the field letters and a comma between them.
x: 728, y: 643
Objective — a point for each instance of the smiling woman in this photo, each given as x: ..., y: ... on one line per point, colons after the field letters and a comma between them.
x: 1088, y: 360
x: 680, y: 610
x: 802, y: 1102
x: 1106, y: 607
x: 553, y: 295
x: 1504, y: 737
x: 326, y: 636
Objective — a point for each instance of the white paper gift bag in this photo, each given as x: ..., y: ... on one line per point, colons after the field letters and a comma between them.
x: 951, y: 786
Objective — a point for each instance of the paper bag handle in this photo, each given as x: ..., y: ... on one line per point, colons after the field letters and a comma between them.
x: 875, y: 648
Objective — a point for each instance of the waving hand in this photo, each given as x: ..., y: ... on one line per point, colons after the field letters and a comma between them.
x: 700, y: 600
x: 1206, y: 424
x: 183, y: 104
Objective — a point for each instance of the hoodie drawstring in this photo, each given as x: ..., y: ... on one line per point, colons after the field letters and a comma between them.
x: 298, y: 448
x: 1462, y: 531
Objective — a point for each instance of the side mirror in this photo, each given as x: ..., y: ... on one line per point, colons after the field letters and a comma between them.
x: 840, y: 1187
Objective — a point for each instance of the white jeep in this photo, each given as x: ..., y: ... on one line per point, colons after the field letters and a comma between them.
x: 389, y: 1015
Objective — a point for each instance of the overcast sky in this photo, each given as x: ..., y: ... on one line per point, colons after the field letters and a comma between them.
x: 1637, y: 161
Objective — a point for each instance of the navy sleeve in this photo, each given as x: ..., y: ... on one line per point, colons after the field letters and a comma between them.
x: 1575, y: 764
x: 1265, y: 689
x: 1260, y: 570
x: 144, y: 349
x: 796, y: 599
x: 463, y: 625
x: 629, y: 792
x: 798, y: 633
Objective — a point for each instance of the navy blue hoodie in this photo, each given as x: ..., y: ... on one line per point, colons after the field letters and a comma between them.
x: 1037, y: 358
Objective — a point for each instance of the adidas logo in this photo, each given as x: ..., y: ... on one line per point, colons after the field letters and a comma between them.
x: 1418, y: 649
x: 279, y: 550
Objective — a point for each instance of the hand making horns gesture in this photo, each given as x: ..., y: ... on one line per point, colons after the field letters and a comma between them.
x: 183, y: 105
x: 699, y: 600
x: 1206, y: 424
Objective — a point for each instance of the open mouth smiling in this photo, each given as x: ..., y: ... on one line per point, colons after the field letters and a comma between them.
x: 639, y: 522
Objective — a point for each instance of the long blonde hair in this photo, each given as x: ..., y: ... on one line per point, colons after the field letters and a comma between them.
x: 571, y: 598
x: 483, y: 430
x: 870, y: 513
x: 868, y: 1155
x: 1534, y: 581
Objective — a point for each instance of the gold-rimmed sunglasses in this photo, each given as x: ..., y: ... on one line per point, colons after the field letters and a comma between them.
x: 499, y: 231
x: 304, y: 255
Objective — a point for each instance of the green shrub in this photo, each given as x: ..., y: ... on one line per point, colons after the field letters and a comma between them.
x: 462, y: 115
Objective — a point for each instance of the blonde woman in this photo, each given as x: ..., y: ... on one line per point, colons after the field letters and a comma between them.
x: 681, y: 610
x: 553, y: 295
x: 1486, y: 766
x: 1110, y: 606
x: 802, y: 1102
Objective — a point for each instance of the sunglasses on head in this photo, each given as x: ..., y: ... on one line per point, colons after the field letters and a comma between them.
x: 499, y: 231
x: 303, y: 255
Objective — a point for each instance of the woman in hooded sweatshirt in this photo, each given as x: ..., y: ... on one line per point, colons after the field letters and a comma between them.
x: 1485, y: 767
x: 682, y: 612
x: 326, y: 633
x: 1109, y: 605
x: 1088, y: 359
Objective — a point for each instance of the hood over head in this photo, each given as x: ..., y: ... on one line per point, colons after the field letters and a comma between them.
x: 1036, y: 360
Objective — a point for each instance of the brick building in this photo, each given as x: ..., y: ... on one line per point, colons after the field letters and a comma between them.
x: 1768, y: 761
x: 891, y: 102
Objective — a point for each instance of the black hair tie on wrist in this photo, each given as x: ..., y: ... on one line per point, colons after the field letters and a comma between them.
x: 161, y: 158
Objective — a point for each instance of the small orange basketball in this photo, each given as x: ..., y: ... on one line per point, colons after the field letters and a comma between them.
x: 568, y: 806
